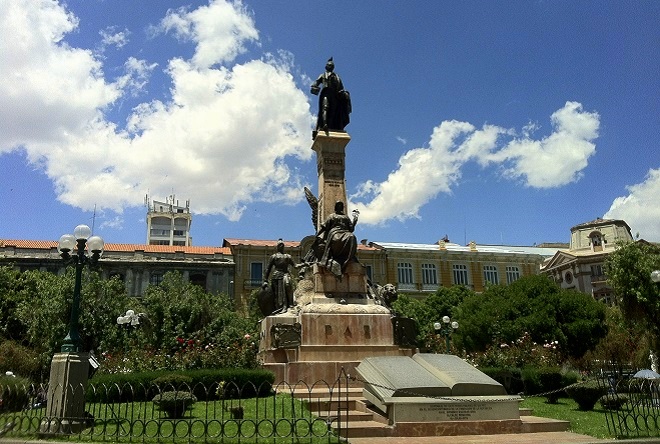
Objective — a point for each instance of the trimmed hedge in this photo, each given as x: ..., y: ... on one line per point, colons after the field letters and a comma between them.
x: 586, y: 394
x: 173, y: 382
x: 204, y: 383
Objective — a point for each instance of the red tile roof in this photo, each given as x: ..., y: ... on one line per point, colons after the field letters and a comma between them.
x: 259, y: 243
x: 47, y: 245
x: 32, y: 244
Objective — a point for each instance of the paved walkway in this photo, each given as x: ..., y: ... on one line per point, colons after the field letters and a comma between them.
x: 519, y: 438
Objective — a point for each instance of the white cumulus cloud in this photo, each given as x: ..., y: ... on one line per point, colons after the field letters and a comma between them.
x: 221, y: 138
x: 641, y: 207
x: 219, y: 29
x: 422, y: 173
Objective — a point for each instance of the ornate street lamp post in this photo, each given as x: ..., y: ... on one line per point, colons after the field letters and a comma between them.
x: 78, y: 240
x: 446, y: 328
x: 69, y: 369
x: 655, y: 277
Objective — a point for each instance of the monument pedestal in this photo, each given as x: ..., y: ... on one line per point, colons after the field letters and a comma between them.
x: 65, y: 410
x: 330, y: 151
x: 324, y: 334
x: 329, y: 341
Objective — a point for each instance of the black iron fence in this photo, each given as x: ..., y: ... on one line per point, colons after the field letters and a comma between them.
x: 179, y: 412
x: 632, y: 402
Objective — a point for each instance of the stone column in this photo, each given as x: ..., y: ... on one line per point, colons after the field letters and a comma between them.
x: 331, y: 164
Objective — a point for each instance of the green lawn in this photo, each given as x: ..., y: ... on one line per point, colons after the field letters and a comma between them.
x: 205, y: 422
x: 592, y: 423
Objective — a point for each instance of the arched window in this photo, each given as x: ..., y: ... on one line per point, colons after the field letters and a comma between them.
x: 596, y: 240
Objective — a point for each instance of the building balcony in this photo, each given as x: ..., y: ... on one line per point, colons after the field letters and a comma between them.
x: 598, y: 279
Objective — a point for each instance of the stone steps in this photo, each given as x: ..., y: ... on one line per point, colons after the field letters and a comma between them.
x: 536, y: 424
x: 359, y: 420
x: 363, y: 429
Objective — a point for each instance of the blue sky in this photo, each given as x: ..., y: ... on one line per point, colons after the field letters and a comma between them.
x: 500, y: 122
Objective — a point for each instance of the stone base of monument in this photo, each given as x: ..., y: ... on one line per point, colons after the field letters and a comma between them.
x: 314, y: 346
x: 323, y: 335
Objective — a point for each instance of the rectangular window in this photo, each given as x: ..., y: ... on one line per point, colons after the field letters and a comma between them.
x: 490, y: 275
x: 429, y: 274
x: 460, y: 272
x: 369, y: 272
x: 405, y: 272
x: 257, y: 271
x: 597, y: 270
x: 179, y: 232
x: 156, y: 278
x: 512, y: 274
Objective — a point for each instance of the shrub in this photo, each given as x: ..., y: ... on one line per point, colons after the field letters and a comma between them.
x: 569, y: 378
x: 174, y: 404
x: 14, y: 393
x: 510, y: 378
x: 19, y: 359
x: 586, y: 394
x: 613, y: 401
x: 544, y: 380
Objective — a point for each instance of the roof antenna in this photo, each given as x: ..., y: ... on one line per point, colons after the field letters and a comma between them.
x: 93, y: 218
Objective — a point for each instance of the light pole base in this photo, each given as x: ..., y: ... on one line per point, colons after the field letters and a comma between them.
x: 65, y: 410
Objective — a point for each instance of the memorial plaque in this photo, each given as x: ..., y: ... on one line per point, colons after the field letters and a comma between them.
x: 285, y: 335
x: 468, y: 408
x: 405, y: 332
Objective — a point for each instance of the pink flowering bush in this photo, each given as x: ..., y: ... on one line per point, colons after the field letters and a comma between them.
x: 188, y: 354
x: 520, y: 353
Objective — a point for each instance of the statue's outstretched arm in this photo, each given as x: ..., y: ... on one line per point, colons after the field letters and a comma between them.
x: 356, y: 214
x: 315, y: 85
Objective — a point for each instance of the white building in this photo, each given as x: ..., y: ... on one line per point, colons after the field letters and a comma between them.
x: 580, y: 267
x: 168, y: 223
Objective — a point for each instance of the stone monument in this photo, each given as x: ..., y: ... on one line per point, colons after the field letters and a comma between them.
x: 338, y: 319
x: 434, y: 392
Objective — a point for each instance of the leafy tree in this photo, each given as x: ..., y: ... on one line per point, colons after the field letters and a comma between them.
x: 629, y: 270
x: 533, y: 305
x: 43, y: 308
x: 10, y: 286
x: 181, y: 310
x: 430, y: 310
x: 625, y: 343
